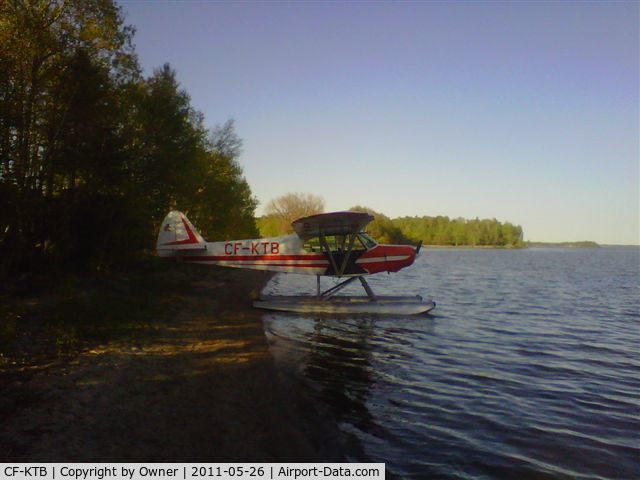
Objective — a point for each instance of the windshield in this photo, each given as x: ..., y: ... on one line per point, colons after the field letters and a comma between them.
x: 340, y: 243
x: 366, y: 240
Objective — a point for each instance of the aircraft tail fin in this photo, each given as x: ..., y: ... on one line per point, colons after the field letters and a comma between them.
x: 177, y: 234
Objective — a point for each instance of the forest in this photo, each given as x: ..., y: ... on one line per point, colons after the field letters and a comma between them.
x: 443, y: 230
x: 93, y: 154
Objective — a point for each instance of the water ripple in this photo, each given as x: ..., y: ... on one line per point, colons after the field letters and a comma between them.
x: 530, y: 367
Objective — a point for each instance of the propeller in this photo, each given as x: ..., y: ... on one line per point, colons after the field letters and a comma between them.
x: 418, y: 248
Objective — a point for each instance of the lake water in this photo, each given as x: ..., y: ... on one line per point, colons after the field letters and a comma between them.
x: 529, y: 366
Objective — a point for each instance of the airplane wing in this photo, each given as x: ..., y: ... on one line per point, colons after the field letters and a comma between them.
x: 335, y: 223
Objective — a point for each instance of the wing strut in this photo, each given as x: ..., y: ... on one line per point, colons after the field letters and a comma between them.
x: 332, y: 260
x: 346, y: 255
x: 325, y: 245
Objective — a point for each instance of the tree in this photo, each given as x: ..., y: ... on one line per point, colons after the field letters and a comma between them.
x: 54, y: 56
x: 223, y: 206
x: 92, y: 155
x: 283, y: 210
x: 224, y: 140
x: 382, y: 227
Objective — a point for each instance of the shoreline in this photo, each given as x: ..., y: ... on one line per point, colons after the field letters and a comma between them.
x: 474, y: 247
x: 200, y: 386
x: 523, y: 247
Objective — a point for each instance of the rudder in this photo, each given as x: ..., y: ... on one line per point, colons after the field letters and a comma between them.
x: 177, y: 234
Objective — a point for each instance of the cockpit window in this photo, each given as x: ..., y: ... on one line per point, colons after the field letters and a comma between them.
x: 340, y: 243
x: 366, y: 240
x: 312, y: 245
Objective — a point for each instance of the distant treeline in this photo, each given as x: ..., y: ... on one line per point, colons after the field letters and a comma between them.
x: 459, y: 231
x: 444, y: 231
x: 430, y: 230
x: 92, y: 154
x: 582, y: 244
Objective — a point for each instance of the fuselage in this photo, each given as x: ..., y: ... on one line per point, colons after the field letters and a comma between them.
x: 291, y: 254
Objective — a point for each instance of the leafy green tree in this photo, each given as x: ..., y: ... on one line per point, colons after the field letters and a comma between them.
x: 92, y: 155
x: 382, y: 228
x: 53, y: 55
x: 223, y: 205
x: 269, y: 226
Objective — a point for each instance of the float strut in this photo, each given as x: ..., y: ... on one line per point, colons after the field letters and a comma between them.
x: 367, y: 288
x: 333, y: 290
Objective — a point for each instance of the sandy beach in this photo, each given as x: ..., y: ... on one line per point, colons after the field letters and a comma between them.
x: 201, y: 388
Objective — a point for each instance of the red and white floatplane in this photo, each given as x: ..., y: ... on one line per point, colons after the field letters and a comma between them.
x: 327, y: 244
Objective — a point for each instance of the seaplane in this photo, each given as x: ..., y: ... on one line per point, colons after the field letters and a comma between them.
x: 327, y: 244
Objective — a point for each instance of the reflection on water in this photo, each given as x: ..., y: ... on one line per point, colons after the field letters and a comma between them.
x: 334, y: 356
x: 340, y: 365
x: 530, y: 367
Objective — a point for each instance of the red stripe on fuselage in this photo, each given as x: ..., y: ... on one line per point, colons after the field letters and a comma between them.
x: 292, y: 265
x: 232, y: 258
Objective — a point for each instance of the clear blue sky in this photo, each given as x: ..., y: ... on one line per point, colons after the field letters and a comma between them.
x: 523, y: 112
